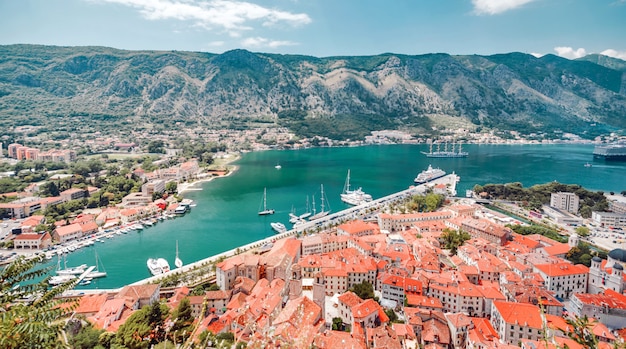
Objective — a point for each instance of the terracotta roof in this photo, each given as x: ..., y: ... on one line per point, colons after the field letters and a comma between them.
x: 527, y: 315
x: 557, y: 249
x: 562, y: 269
x: 68, y: 229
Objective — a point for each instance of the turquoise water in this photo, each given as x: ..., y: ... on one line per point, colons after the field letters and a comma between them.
x: 226, y: 213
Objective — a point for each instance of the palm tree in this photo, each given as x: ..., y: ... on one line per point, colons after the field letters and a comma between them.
x: 30, y: 314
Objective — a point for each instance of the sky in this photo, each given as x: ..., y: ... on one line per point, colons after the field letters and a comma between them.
x: 322, y: 28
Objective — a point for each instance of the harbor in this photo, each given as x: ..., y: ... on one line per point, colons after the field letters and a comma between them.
x: 226, y: 216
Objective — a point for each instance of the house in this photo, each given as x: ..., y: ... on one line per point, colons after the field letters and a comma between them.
x: 32, y: 241
x: 564, y: 278
x: 67, y: 233
x: 516, y: 321
x: 141, y: 294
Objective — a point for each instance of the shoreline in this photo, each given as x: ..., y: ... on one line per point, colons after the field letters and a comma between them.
x: 230, y: 169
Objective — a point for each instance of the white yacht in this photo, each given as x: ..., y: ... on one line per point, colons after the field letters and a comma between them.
x: 158, y: 266
x: 60, y: 279
x: 354, y: 197
x: 278, y: 227
x: 429, y: 174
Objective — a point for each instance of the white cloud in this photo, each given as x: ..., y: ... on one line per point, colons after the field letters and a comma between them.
x: 614, y: 53
x: 537, y: 55
x: 230, y: 15
x: 570, y: 53
x: 264, y: 42
x: 216, y: 43
x: 494, y: 7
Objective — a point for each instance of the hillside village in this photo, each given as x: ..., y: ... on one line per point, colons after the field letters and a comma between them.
x: 500, y: 290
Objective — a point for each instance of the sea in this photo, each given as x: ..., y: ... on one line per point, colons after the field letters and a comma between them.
x: 225, y: 213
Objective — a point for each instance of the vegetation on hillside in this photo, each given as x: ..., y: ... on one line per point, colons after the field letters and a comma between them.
x: 65, y: 90
x: 537, y: 195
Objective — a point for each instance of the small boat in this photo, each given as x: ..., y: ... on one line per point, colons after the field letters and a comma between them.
x: 278, y: 167
x: 265, y: 211
x: 588, y: 165
x: 60, y: 279
x: 84, y: 282
x: 158, y: 266
x: 177, y: 262
x: 278, y: 227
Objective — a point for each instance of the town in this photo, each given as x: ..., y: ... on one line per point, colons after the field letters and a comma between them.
x: 457, y: 277
x: 367, y: 277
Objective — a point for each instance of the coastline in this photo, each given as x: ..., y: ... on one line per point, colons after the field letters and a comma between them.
x: 228, y: 170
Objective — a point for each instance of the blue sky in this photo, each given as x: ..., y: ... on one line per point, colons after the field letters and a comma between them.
x: 570, y: 28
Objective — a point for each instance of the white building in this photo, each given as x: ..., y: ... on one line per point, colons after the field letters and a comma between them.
x: 564, y: 278
x: 565, y: 201
x: 609, y: 219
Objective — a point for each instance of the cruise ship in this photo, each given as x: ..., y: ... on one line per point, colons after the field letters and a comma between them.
x: 610, y: 151
x: 429, y: 174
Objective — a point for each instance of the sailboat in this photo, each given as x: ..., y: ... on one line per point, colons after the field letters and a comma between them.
x: 69, y: 271
x: 322, y: 212
x: 177, y: 262
x: 354, y: 197
x: 278, y: 167
x: 96, y: 273
x: 265, y: 211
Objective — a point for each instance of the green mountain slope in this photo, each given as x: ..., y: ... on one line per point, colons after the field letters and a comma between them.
x: 355, y: 94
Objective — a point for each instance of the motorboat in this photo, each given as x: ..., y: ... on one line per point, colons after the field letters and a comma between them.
x: 60, y: 279
x: 158, y: 266
x: 278, y: 227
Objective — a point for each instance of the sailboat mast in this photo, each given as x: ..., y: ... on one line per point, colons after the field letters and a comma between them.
x: 322, y: 193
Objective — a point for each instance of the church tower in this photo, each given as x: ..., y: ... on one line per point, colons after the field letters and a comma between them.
x: 595, y: 275
x: 295, y: 282
x: 319, y: 292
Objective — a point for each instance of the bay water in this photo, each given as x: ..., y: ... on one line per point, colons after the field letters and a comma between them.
x: 226, y: 213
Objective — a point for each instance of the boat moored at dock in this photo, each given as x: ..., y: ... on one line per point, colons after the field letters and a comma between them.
x: 428, y: 175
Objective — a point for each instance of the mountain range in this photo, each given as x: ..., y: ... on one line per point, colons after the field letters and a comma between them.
x: 513, y: 91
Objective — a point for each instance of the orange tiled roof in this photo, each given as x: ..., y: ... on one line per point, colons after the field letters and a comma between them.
x: 562, y: 269
x: 519, y: 313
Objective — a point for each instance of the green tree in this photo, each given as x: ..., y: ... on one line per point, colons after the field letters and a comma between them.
x: 49, y: 189
x: 86, y: 337
x: 183, y: 321
x: 171, y: 187
x: 337, y: 324
x: 582, y: 231
x: 144, y: 327
x: 453, y: 239
x: 365, y: 290
x: 34, y: 323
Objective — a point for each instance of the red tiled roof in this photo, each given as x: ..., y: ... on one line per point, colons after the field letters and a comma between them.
x: 562, y: 269
x: 519, y: 313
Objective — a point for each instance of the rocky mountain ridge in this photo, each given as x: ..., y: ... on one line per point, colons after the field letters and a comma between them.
x: 505, y: 91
